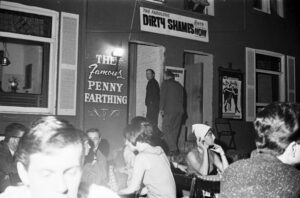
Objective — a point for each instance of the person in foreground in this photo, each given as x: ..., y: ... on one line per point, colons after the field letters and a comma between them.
x: 270, y: 172
x: 151, y: 165
x: 207, y: 158
x: 8, y: 169
x: 50, y: 161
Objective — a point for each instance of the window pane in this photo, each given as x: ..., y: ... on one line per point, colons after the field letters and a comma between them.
x: 267, y: 88
x: 25, y: 23
x: 25, y: 78
x: 268, y: 62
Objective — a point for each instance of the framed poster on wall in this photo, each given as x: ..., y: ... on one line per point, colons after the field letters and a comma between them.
x: 230, y: 93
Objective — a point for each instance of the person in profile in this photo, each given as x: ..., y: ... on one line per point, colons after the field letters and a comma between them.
x: 8, y: 169
x: 50, y: 160
x: 171, y: 109
x: 151, y: 165
x: 207, y: 158
x: 270, y: 171
x: 152, y: 98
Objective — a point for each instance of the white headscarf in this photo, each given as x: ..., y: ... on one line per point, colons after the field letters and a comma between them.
x: 200, y: 130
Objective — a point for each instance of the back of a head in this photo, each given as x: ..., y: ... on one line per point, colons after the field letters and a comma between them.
x: 14, y: 130
x: 46, y: 134
x: 139, y: 133
x: 138, y: 120
x: 277, y: 126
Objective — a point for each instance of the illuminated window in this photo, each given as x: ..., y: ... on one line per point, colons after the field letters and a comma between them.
x: 29, y: 40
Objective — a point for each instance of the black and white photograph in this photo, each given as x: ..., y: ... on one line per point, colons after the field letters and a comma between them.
x: 149, y: 98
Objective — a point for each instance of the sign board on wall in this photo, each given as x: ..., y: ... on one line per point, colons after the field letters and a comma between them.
x: 178, y: 72
x: 166, y: 23
x: 105, y: 91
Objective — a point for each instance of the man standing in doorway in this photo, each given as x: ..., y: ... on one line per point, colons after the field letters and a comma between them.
x: 152, y: 98
x: 171, y: 108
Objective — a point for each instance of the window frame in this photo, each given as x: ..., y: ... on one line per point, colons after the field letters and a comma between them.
x: 266, y: 7
x: 210, y: 10
x: 281, y: 74
x: 53, y: 41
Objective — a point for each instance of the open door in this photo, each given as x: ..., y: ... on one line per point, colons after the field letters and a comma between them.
x: 142, y: 57
x: 198, y: 86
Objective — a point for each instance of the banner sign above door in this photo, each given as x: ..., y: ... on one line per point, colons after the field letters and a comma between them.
x: 172, y: 24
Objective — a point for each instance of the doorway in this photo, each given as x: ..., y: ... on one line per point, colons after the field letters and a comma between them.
x: 199, y: 87
x: 142, y: 57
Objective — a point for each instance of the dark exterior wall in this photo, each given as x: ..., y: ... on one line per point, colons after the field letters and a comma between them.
x: 71, y: 6
x: 236, y: 25
x: 107, y: 23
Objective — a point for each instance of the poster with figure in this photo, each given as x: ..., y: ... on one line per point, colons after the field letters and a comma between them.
x: 231, y: 97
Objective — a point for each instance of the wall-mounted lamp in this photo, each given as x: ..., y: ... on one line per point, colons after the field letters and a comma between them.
x: 118, y: 54
x: 4, y: 61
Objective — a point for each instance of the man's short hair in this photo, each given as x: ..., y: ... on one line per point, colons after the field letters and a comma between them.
x: 151, y: 70
x: 277, y: 126
x: 94, y: 130
x: 46, y: 134
x: 14, y: 130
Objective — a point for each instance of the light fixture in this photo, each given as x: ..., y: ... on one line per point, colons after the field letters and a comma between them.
x: 4, y: 61
x: 117, y: 53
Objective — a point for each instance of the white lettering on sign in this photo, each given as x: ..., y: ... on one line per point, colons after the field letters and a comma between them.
x: 98, y: 72
x: 106, y: 60
x: 172, y: 24
x: 97, y: 91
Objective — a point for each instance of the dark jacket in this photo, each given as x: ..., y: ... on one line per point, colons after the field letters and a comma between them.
x: 8, y: 169
x: 152, y: 94
x: 262, y: 175
x: 171, y: 97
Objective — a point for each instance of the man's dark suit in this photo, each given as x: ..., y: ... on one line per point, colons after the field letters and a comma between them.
x: 171, y: 103
x: 152, y: 101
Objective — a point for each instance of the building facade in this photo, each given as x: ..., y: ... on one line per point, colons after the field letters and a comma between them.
x: 85, y: 60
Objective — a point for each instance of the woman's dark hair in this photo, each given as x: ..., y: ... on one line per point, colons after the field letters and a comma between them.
x: 139, y: 133
x: 138, y: 120
x: 277, y: 126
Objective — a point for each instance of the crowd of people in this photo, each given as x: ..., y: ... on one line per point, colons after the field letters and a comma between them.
x: 53, y: 159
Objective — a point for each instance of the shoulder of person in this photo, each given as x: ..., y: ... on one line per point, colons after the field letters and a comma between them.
x: 192, y: 153
x: 96, y: 191
x: 16, y: 192
x: 238, y: 166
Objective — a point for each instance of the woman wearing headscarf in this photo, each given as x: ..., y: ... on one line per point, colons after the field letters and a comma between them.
x: 207, y: 158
